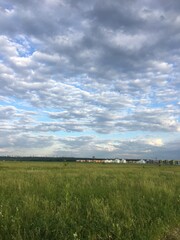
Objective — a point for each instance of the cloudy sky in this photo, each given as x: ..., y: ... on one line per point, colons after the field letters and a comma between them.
x: 84, y: 78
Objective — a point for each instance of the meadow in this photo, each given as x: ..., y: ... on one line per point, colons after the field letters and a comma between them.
x: 87, y: 201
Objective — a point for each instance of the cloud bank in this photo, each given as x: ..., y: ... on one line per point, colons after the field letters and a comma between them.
x: 90, y: 78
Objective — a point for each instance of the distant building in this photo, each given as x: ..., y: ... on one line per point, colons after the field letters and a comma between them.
x: 142, y: 161
x: 117, y: 160
x: 123, y: 161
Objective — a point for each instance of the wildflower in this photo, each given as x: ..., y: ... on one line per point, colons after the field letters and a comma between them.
x: 75, y: 235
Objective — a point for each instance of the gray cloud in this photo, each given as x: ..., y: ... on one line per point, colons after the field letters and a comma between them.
x: 100, y: 66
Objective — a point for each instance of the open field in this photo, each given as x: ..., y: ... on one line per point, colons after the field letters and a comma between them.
x: 88, y: 201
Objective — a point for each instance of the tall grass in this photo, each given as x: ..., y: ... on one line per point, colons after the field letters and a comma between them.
x: 87, y: 201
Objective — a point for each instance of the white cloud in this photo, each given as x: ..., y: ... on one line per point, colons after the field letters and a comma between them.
x: 162, y: 66
x: 126, y: 41
x: 66, y: 68
x: 155, y: 142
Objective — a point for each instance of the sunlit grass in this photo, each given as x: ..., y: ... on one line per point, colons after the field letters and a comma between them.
x: 87, y: 201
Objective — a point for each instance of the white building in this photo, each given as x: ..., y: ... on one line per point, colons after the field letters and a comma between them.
x: 142, y: 161
x: 123, y: 161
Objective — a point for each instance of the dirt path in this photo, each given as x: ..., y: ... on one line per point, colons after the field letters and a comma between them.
x: 173, y: 235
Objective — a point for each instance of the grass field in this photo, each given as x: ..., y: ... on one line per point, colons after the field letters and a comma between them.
x: 88, y: 201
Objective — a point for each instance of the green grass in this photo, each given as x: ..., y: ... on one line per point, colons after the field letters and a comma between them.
x: 88, y: 201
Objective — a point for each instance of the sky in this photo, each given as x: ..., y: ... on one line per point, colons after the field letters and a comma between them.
x: 90, y: 78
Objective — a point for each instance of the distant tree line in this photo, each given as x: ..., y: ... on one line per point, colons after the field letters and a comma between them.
x: 74, y: 159
x: 40, y: 159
